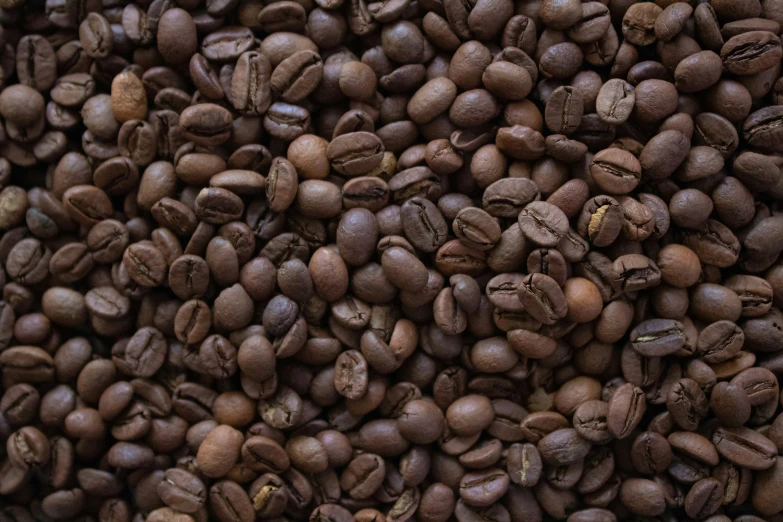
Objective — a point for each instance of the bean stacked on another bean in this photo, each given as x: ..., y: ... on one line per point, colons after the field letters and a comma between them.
x: 410, y: 260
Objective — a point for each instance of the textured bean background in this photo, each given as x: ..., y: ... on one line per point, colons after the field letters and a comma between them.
x: 391, y: 261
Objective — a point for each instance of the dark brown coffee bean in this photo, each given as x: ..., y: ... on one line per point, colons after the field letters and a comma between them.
x: 651, y: 453
x: 36, y: 62
x: 219, y: 451
x: 296, y: 76
x: 143, y: 354
x: 590, y: 421
x: 562, y: 447
x: 483, y: 488
x: 642, y: 496
x: 600, y: 221
x: 759, y: 127
x: 687, y: 403
x: 564, y: 110
x: 363, y: 476
x: 28, y: 448
x: 524, y: 464
x: 542, y: 298
x: 182, y: 491
x: 145, y: 264
x: 745, y: 447
x: 355, y: 154
x: 657, y: 337
x: 206, y: 124
x: 543, y: 223
x: 637, y: 272
x: 751, y: 52
x: 476, y: 228
x: 616, y: 171
x: 231, y: 502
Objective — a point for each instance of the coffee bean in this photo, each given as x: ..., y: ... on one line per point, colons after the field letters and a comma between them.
x: 128, y: 98
x: 483, y: 488
x: 355, y: 154
x: 762, y: 48
x: 687, y: 403
x: 626, y: 408
x: 143, y: 354
x: 615, y: 101
x: 476, y: 228
x: 206, y: 124
x: 564, y: 110
x: 35, y: 62
x: 231, y: 502
x: 363, y: 476
x: 651, y: 453
x: 704, y: 498
x: 642, y: 496
x: 145, y: 264
x: 616, y: 171
x: 542, y: 298
x: 219, y: 451
x: 745, y: 447
x: 543, y: 223
x: 657, y: 337
x: 562, y: 447
x: 182, y: 491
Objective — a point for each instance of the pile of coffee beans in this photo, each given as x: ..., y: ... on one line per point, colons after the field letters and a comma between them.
x: 391, y: 261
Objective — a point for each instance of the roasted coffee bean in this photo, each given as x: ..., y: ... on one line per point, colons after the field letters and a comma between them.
x: 182, y: 491
x: 36, y: 62
x: 483, y: 488
x: 590, y: 421
x: 423, y: 224
x: 476, y: 228
x: 615, y: 101
x: 231, y: 502
x: 542, y: 298
x: 657, y: 337
x: 296, y: 76
x: 651, y: 453
x: 626, y: 408
x: 750, y: 52
x: 745, y: 447
x: 616, y: 171
x: 686, y: 403
x: 564, y: 110
x: 636, y: 272
x: 543, y: 223
x: 600, y: 221
x: 219, y: 451
x: 355, y: 153
x: 363, y: 476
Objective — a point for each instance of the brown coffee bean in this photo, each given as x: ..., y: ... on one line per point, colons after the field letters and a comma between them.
x: 356, y: 153
x: 128, y: 97
x: 642, y: 496
x: 363, y: 476
x: 745, y: 447
x: 639, y: 23
x: 542, y: 298
x: 219, y: 451
x: 687, y: 403
x: 763, y: 48
x: 626, y: 408
x: 543, y: 223
x: 616, y: 171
